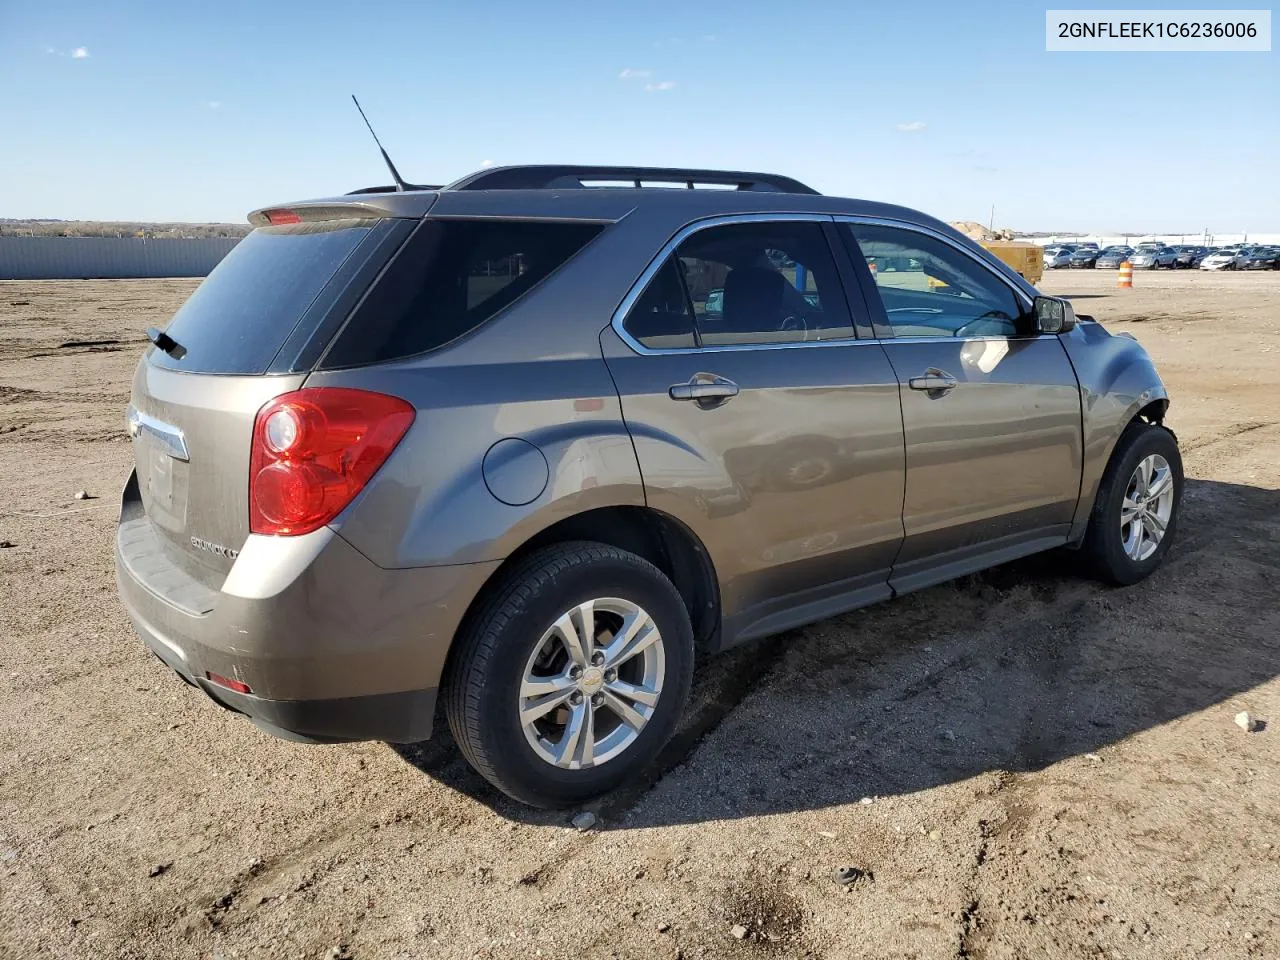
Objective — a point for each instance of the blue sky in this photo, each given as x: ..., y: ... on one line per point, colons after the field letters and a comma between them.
x: 204, y: 111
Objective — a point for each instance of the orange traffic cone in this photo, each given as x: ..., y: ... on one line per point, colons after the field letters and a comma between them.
x: 1124, y: 280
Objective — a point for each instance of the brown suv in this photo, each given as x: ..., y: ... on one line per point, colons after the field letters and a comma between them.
x: 526, y: 441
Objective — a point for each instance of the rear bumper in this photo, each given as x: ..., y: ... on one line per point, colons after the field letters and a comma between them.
x: 332, y: 646
x: 404, y: 717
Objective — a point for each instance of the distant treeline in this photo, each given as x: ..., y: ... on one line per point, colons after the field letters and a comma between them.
x: 97, y: 228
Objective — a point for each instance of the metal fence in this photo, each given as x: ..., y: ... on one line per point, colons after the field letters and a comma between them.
x: 91, y: 258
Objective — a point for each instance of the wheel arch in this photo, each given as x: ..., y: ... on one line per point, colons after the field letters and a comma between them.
x: 652, y: 534
x: 1151, y: 411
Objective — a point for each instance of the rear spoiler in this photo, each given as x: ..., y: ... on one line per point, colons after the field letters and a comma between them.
x: 412, y: 205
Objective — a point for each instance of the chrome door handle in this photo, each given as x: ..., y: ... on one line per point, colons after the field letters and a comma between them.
x: 705, y: 391
x: 933, y: 379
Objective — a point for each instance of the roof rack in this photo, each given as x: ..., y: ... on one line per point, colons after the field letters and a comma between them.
x: 552, y: 177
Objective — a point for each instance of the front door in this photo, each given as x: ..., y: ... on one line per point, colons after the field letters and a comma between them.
x: 762, y: 423
x: 991, y: 409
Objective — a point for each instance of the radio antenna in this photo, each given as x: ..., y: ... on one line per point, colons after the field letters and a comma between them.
x: 401, y: 186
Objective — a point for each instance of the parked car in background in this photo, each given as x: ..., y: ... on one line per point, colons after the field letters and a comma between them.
x: 1084, y: 258
x: 1190, y: 256
x: 1112, y: 257
x: 1260, y: 258
x: 1219, y: 260
x: 1057, y: 257
x: 334, y: 525
x: 1153, y: 258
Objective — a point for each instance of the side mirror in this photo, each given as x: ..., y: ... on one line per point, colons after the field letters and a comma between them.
x: 1054, y: 315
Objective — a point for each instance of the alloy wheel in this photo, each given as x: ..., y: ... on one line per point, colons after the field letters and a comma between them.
x: 1147, y: 507
x: 592, y: 683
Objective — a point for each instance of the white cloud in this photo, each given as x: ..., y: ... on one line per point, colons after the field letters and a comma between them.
x: 486, y: 163
x: 915, y: 126
x: 661, y: 85
x: 213, y: 104
x: 80, y: 53
x: 630, y: 74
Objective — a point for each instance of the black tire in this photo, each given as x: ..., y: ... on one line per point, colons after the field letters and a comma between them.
x: 483, y: 680
x: 1103, y: 549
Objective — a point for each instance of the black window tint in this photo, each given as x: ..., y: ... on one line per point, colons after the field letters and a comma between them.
x: 762, y: 283
x: 450, y: 277
x: 237, y: 320
x: 661, y: 319
x: 931, y: 289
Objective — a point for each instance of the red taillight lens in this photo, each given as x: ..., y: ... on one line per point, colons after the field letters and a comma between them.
x: 239, y: 686
x: 278, y: 217
x: 314, y: 450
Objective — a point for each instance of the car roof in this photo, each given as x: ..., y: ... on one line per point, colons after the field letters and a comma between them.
x: 558, y: 193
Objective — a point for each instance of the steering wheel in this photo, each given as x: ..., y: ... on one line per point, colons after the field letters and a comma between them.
x: 962, y: 330
x: 794, y: 321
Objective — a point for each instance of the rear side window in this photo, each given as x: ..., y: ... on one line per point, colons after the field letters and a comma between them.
x: 744, y: 284
x: 242, y: 314
x: 764, y: 283
x: 450, y: 277
x: 662, y: 318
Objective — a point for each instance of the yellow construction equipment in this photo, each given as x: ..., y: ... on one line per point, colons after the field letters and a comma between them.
x: 1026, y: 258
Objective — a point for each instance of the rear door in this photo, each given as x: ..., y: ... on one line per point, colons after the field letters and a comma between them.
x: 249, y: 332
x: 760, y: 421
x: 991, y: 409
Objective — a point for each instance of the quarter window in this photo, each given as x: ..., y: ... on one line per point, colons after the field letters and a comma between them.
x: 931, y: 289
x: 450, y: 277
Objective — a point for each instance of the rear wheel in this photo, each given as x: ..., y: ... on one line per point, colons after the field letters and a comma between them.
x: 572, y: 674
x: 1135, y: 513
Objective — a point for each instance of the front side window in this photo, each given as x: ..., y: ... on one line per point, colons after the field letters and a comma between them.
x: 931, y: 289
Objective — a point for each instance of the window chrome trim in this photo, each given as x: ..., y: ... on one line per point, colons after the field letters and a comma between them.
x: 669, y: 248
x: 1014, y: 339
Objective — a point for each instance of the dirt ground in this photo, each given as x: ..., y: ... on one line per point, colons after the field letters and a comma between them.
x: 1023, y: 763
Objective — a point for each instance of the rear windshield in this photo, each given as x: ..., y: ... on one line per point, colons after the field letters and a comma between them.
x: 241, y: 315
x: 450, y: 277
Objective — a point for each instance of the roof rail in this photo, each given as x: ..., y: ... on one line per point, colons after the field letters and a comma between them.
x: 544, y: 177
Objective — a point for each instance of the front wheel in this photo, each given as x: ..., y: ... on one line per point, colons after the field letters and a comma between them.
x: 1135, y: 513
x: 571, y: 675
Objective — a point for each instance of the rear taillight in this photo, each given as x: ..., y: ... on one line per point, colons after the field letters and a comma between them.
x: 314, y: 450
